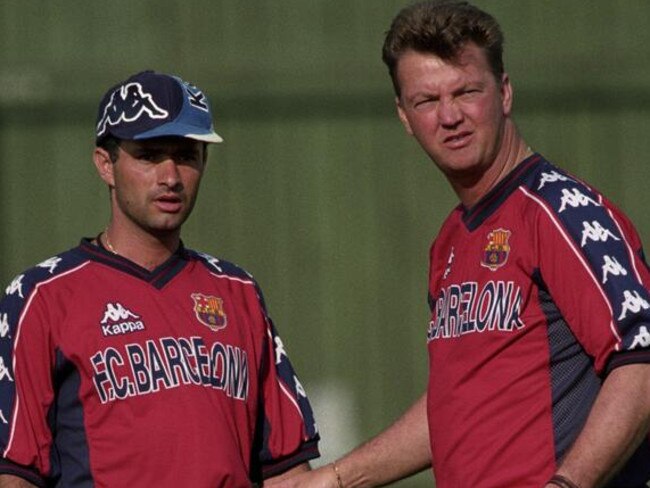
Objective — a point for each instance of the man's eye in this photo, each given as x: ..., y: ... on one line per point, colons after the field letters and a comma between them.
x: 147, y: 156
x: 424, y: 102
x: 188, y: 158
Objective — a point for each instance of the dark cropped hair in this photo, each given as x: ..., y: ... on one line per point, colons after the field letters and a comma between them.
x: 111, y: 145
x: 442, y: 28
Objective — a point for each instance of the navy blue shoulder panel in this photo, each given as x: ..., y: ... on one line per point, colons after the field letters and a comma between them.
x: 220, y: 266
x: 16, y: 297
x: 584, y: 217
x: 22, y: 285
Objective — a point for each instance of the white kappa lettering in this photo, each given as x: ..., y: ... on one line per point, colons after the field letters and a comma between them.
x: 595, y: 232
x: 16, y: 286
x: 279, y: 350
x: 575, y: 199
x: 50, y: 264
x: 301, y: 391
x: 122, y: 328
x: 214, y: 262
x: 612, y: 266
x: 633, y: 303
x: 196, y: 97
x: 2, y: 418
x: 4, y: 371
x: 4, y: 325
x: 450, y: 261
x: 551, y: 177
x: 642, y: 339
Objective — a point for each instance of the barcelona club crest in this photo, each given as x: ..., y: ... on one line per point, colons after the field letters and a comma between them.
x: 209, y: 311
x: 496, y: 252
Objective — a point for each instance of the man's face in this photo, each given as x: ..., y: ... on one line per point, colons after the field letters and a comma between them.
x: 455, y: 111
x: 156, y: 181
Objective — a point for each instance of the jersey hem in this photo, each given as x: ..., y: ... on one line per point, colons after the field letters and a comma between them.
x: 28, y: 474
x: 308, y: 451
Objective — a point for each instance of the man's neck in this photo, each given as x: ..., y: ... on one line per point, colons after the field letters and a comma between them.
x: 146, y: 250
x: 512, y: 152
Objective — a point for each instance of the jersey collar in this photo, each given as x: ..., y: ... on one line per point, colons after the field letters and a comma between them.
x: 157, y: 277
x: 473, y: 217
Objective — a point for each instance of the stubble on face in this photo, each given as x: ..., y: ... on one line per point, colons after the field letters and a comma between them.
x: 156, y: 184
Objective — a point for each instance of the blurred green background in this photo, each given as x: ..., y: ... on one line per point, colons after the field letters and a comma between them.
x: 317, y: 190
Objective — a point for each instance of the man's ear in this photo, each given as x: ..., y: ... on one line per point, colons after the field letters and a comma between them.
x: 104, y: 165
x: 402, y: 116
x: 506, y: 94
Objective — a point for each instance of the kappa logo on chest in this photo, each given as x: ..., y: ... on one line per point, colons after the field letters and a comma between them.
x: 119, y: 320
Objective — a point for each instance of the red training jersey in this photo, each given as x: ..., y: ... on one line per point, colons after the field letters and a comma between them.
x: 111, y: 375
x: 536, y: 293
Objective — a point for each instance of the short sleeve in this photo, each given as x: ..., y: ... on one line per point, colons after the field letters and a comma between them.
x: 26, y: 390
x: 591, y: 260
x: 288, y: 434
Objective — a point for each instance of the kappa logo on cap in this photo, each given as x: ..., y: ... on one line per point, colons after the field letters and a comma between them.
x: 196, y: 97
x: 127, y: 104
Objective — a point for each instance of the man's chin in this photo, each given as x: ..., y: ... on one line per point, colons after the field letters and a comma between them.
x: 465, y: 176
x: 165, y: 229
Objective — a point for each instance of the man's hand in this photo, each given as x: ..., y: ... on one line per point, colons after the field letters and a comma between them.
x: 319, y: 478
x: 396, y: 453
x: 289, y: 474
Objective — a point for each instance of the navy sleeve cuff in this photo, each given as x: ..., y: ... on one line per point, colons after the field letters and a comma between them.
x: 28, y: 474
x: 308, y: 450
x: 627, y: 357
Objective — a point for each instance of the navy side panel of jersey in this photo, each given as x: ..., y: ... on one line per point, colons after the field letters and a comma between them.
x: 69, y: 457
x: 598, y: 237
x: 574, y: 382
x: 16, y: 297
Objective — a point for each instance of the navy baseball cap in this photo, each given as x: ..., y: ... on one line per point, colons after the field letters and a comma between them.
x: 151, y: 104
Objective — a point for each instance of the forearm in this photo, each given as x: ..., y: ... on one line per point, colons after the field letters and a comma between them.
x: 9, y: 481
x: 300, y: 468
x: 618, y: 422
x: 400, y: 451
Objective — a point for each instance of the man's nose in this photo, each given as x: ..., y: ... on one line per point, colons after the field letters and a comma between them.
x: 449, y: 113
x: 168, y: 173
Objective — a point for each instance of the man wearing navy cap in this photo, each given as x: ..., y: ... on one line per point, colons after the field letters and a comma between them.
x: 131, y: 360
